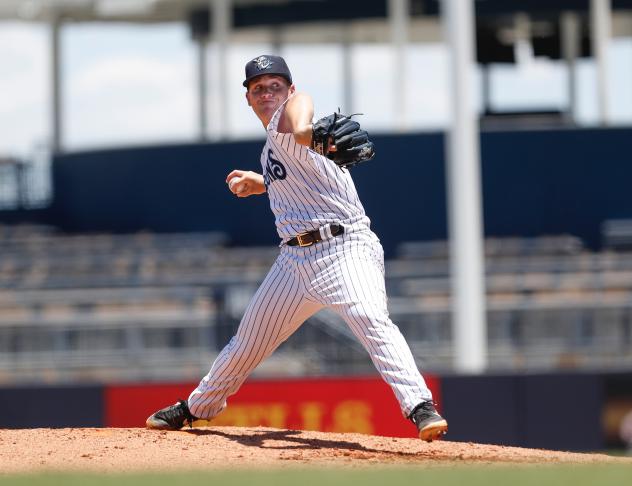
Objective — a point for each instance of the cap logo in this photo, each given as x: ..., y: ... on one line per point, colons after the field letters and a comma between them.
x: 262, y: 62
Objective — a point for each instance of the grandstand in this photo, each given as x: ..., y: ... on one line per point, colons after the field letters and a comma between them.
x: 136, y: 266
x: 146, y: 306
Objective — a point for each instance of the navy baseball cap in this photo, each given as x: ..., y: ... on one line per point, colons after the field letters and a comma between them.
x: 267, y: 65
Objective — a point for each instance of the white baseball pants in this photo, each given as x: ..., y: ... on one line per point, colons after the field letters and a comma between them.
x: 345, y: 273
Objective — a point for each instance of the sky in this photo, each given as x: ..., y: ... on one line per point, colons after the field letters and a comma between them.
x: 133, y: 85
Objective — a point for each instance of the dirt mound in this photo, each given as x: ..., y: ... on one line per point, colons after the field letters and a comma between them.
x: 116, y: 450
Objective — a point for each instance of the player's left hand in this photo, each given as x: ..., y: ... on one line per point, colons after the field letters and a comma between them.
x: 341, y: 139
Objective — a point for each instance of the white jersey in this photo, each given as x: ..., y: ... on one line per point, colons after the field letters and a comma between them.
x: 306, y: 190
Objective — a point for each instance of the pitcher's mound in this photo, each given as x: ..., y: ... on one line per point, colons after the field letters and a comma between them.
x: 119, y: 450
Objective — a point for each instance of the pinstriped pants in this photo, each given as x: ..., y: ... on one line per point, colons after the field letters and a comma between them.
x: 344, y: 273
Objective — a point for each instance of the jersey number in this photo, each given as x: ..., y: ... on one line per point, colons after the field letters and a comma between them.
x: 274, y: 169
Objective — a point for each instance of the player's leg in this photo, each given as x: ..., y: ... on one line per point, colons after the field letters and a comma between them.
x: 275, y: 312
x: 387, y: 348
x: 360, y: 298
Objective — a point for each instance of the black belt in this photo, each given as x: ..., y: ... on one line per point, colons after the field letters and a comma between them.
x: 310, y: 237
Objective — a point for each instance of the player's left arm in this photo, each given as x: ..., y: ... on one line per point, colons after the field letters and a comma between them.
x: 299, y: 112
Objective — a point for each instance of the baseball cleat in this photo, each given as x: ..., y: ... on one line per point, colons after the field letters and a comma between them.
x: 430, y: 424
x: 171, y: 418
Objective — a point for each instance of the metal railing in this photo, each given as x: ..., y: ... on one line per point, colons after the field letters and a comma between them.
x: 25, y: 183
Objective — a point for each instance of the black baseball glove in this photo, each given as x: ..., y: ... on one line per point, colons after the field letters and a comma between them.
x: 352, y: 144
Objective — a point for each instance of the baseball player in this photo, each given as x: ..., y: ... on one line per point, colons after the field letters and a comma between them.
x: 329, y: 257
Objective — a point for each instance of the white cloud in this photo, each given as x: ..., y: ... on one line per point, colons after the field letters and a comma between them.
x: 619, y: 93
x: 23, y: 89
x: 129, y: 73
x: 539, y: 84
x: 22, y: 48
x: 130, y: 99
x: 621, y: 80
x: 138, y: 88
x: 124, y: 120
x: 428, y: 102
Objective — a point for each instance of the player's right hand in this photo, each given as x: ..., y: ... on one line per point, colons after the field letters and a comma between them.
x: 245, y: 183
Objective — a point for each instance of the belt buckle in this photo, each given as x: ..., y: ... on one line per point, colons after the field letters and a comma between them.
x: 303, y: 243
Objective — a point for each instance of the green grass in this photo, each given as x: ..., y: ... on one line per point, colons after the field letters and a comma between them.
x: 439, y: 476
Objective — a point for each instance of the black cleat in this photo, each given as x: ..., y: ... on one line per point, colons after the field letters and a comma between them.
x: 429, y: 423
x: 171, y: 418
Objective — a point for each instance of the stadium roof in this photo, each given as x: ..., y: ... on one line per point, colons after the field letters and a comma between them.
x: 265, y: 12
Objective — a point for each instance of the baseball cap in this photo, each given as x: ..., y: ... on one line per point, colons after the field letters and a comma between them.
x: 267, y: 65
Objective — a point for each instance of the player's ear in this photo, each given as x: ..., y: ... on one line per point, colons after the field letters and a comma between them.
x: 248, y: 99
x: 292, y: 89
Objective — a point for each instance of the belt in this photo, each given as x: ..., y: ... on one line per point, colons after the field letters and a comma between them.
x: 310, y: 237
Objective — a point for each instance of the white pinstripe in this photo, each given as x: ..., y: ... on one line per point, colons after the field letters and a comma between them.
x: 345, y: 273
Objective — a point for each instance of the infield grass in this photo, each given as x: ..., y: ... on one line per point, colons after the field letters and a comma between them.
x: 581, y: 475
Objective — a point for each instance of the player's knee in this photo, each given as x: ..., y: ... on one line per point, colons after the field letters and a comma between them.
x: 369, y: 314
x: 245, y: 350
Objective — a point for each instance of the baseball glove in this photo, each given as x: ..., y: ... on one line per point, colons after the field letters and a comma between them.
x: 352, y: 144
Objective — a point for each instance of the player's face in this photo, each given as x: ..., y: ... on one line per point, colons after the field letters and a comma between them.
x: 266, y: 93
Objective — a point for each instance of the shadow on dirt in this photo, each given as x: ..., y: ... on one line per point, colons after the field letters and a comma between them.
x: 265, y: 439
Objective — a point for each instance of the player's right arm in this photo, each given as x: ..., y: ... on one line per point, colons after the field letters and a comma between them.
x: 244, y: 183
x: 297, y: 118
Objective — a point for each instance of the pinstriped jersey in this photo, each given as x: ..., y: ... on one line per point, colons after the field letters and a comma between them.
x: 306, y: 190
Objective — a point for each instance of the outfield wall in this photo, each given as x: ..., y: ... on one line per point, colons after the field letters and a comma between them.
x: 539, y: 182
x: 573, y: 411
